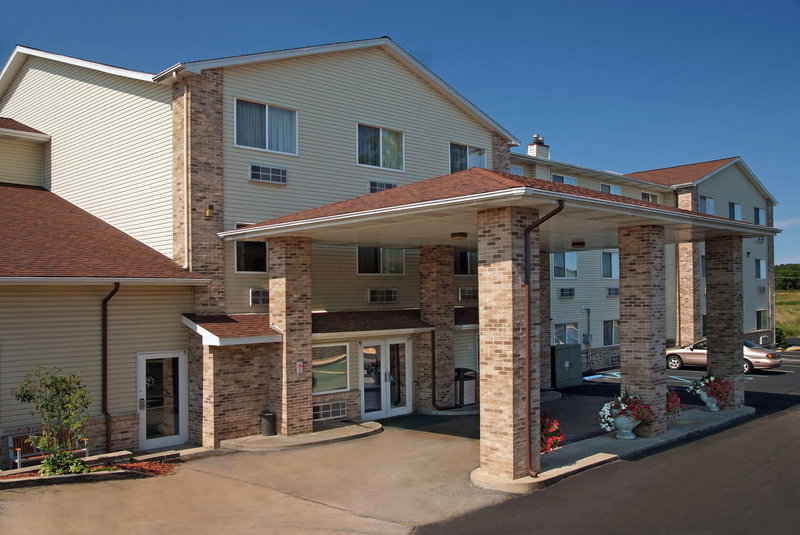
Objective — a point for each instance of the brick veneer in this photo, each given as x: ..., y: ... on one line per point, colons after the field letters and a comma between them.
x: 290, y: 311
x: 690, y: 287
x: 545, y: 361
x: 437, y: 299
x: 724, y: 311
x: 642, y: 309
x: 502, y: 347
x: 501, y: 154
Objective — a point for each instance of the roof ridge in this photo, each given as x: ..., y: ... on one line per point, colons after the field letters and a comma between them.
x: 729, y: 158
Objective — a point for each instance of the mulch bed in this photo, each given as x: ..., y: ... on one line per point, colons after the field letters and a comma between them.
x: 149, y: 468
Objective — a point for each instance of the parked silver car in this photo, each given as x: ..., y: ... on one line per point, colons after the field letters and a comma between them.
x: 755, y: 356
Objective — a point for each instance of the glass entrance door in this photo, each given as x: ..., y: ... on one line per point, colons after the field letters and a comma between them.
x: 385, y: 383
x: 162, y: 400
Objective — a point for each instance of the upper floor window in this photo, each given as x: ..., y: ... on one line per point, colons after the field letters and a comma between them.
x: 706, y: 205
x: 759, y: 216
x: 465, y: 263
x: 703, y: 266
x: 265, y: 127
x: 610, y: 265
x: 560, y: 179
x: 761, y: 269
x: 251, y: 256
x: 463, y: 157
x: 380, y: 147
x: 565, y: 265
x: 380, y: 261
x: 735, y: 211
x: 516, y: 170
x: 650, y: 197
x: 609, y: 188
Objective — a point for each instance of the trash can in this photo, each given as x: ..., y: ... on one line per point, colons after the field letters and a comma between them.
x: 465, y: 386
x: 267, y: 423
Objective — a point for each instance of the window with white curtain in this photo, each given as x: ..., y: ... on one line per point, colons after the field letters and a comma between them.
x: 381, y: 261
x: 463, y: 157
x: 610, y: 265
x: 261, y: 126
x: 565, y: 265
x: 380, y: 147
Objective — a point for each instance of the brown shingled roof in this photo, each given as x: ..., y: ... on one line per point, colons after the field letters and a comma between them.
x: 681, y: 174
x: 235, y: 325
x: 42, y: 235
x: 367, y: 320
x: 11, y: 124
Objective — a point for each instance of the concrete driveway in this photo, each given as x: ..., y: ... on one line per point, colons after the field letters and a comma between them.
x: 384, y: 484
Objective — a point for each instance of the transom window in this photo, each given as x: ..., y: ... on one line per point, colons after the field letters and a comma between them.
x: 329, y: 368
x: 261, y: 126
x: 251, y: 256
x: 380, y: 147
x: 610, y: 265
x: 560, y: 179
x: 706, y: 205
x: 381, y: 261
x: 565, y: 265
x: 465, y: 263
x: 735, y: 211
x: 463, y: 157
x: 565, y: 333
x: 611, y: 332
x: 609, y: 188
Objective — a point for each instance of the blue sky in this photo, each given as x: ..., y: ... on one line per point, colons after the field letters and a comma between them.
x: 616, y: 85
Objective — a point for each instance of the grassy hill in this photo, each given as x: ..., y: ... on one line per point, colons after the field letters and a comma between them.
x: 787, y: 311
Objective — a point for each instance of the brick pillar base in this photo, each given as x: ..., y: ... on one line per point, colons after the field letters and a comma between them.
x: 642, y: 312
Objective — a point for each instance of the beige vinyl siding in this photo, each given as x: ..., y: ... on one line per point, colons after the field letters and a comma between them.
x: 466, y: 348
x: 21, y: 162
x: 60, y: 327
x: 111, y: 147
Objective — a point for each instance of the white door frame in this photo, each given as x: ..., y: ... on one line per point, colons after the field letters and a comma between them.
x: 183, y: 400
x: 387, y: 410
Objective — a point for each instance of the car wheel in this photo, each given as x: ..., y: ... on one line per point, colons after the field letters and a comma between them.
x: 748, y: 366
x: 674, y: 362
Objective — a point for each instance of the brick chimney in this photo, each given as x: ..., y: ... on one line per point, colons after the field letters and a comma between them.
x: 538, y: 148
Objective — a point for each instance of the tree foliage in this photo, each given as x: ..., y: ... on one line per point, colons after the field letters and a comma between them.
x: 787, y: 277
x: 62, y: 402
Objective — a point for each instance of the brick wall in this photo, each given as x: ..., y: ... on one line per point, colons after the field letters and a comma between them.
x: 602, y: 358
x: 642, y: 307
x: 545, y: 363
x: 501, y: 154
x: 690, y: 287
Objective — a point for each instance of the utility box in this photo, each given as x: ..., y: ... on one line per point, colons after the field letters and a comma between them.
x: 465, y: 386
x: 566, y: 365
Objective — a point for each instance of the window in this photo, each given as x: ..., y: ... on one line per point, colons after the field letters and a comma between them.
x: 734, y: 211
x: 260, y: 173
x: 565, y: 265
x: 608, y: 188
x: 702, y: 266
x: 704, y: 325
x: 612, y: 291
x: 706, y: 205
x: 516, y: 170
x: 762, y: 320
x: 380, y: 261
x: 463, y: 157
x: 761, y: 269
x: 382, y: 295
x: 759, y: 216
x: 260, y: 126
x: 610, y: 265
x: 565, y: 333
x: 572, y: 181
x: 376, y: 186
x: 329, y: 364
x: 251, y: 256
x: 259, y: 296
x: 380, y: 147
x: 329, y: 411
x: 611, y: 333
x: 465, y: 263
x: 566, y: 292
x: 650, y: 197
x: 468, y: 294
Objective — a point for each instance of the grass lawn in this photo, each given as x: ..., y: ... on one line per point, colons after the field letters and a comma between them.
x: 787, y: 311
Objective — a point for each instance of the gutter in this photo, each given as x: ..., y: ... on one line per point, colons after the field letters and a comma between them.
x: 104, y: 362
x: 527, y: 287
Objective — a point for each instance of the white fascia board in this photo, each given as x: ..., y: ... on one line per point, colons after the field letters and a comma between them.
x: 570, y: 166
x: 365, y: 216
x: 6, y: 133
x: 211, y: 339
x: 369, y: 334
x: 97, y: 281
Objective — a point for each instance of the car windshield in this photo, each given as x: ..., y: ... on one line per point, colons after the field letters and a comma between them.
x: 752, y: 345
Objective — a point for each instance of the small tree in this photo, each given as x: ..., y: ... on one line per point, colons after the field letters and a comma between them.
x: 62, y: 402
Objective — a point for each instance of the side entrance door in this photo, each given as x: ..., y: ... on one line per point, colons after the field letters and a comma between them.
x: 385, y: 377
x: 163, y: 399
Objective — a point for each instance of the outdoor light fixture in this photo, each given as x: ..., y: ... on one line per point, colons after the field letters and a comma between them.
x: 578, y: 244
x: 458, y: 235
x: 210, y: 210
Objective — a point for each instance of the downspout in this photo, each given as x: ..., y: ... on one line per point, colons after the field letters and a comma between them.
x: 526, y: 237
x: 104, y: 362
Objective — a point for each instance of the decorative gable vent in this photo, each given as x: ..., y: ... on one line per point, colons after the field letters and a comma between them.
x: 274, y: 175
x: 612, y: 291
x: 566, y: 292
x: 259, y: 296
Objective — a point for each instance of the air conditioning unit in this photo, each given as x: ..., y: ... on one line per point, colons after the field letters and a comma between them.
x: 259, y: 296
x: 760, y: 239
x: 761, y: 289
x: 612, y: 291
x: 763, y: 340
x: 566, y: 292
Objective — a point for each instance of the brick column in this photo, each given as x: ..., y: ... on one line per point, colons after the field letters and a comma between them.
x: 437, y: 299
x: 724, y: 306
x: 544, y: 317
x: 642, y: 314
x: 501, y: 154
x: 502, y: 345
x: 290, y: 311
x: 690, y: 288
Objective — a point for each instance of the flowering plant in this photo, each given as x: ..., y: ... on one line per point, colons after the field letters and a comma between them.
x: 630, y: 405
x: 674, y: 405
x: 714, y: 387
x: 551, y: 435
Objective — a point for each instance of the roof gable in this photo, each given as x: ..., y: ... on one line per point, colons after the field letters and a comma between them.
x: 683, y: 174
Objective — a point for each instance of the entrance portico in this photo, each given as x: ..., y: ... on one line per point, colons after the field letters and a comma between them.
x: 493, y: 210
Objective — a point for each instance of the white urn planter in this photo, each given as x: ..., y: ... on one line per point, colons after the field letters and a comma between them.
x: 626, y: 425
x: 711, y: 403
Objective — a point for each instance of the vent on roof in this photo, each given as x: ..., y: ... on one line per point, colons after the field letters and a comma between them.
x: 274, y: 175
x: 612, y: 291
x: 468, y: 294
x: 382, y: 295
x: 328, y: 411
x: 566, y: 292
x: 259, y: 296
